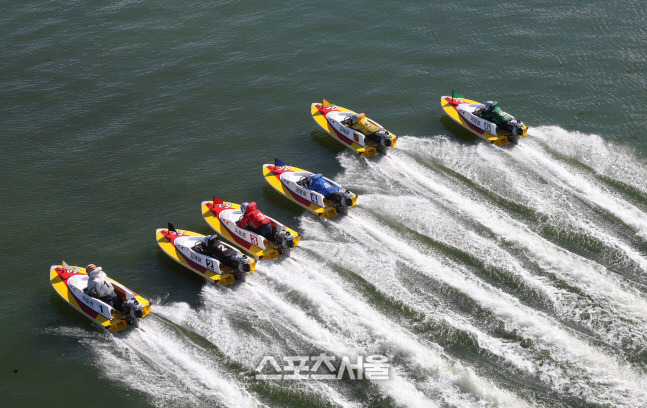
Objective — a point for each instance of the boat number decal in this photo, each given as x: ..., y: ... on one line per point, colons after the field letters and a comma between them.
x: 487, y: 127
x: 88, y: 300
x: 196, y: 257
x: 313, y: 197
x: 300, y: 190
x: 356, y: 138
x: 210, y: 264
x: 283, y: 168
x: 254, y: 239
x: 224, y: 205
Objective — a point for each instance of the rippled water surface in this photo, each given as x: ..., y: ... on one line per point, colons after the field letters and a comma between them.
x: 497, y: 277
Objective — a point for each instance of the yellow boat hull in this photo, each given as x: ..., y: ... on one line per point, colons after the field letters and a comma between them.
x: 211, y: 213
x: 272, y: 175
x: 165, y: 240
x: 318, y: 112
x: 59, y: 276
x: 450, y: 104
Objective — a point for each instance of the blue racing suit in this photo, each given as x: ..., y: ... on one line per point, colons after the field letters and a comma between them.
x: 318, y: 184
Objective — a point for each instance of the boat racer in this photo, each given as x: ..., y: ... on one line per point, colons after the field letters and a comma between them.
x: 380, y: 136
x: 331, y: 192
x: 491, y: 112
x: 100, y: 287
x: 254, y: 220
x: 494, y: 114
x: 211, y: 246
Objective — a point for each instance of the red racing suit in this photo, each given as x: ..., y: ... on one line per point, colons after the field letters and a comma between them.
x: 254, y: 218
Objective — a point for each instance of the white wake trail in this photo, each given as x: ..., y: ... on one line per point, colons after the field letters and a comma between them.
x: 586, y: 366
x: 265, y: 302
x: 619, y: 295
x: 364, y: 325
x: 509, y: 174
x: 241, y: 325
x: 587, y: 189
x: 173, y: 370
x: 620, y: 163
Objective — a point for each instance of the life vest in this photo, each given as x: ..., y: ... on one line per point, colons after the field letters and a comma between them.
x: 98, y: 284
x: 257, y: 219
x: 253, y: 217
x: 496, y: 115
x: 320, y: 185
x: 217, y: 249
x: 363, y: 125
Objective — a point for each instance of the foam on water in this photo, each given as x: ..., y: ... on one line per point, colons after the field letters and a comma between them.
x: 378, y: 267
x: 298, y: 332
x: 620, y: 163
x: 585, y: 365
x: 586, y: 188
x: 615, y: 328
x: 242, y: 326
x: 427, y: 207
x: 363, y: 325
x: 513, y: 176
x: 168, y: 366
x: 620, y: 295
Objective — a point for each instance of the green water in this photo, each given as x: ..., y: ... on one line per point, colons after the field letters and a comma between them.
x: 494, y: 277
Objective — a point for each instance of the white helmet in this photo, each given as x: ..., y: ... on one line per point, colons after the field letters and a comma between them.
x: 243, y: 206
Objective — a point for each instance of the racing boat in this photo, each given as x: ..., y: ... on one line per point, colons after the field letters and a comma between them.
x: 223, y: 218
x: 188, y: 249
x: 336, y: 121
x: 296, y: 185
x: 71, y: 281
x: 467, y: 114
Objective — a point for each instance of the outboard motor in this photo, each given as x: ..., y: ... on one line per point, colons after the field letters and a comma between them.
x: 348, y: 198
x: 243, y: 263
x: 242, y: 267
x: 516, y: 130
x: 285, y: 241
x: 342, y: 200
x: 383, y: 140
x: 133, y: 311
